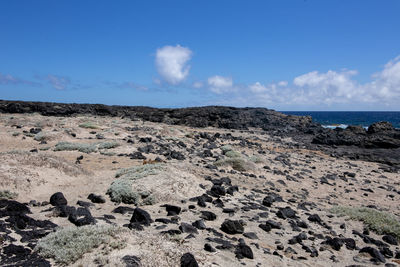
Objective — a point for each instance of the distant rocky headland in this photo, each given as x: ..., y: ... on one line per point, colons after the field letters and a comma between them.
x: 380, y: 143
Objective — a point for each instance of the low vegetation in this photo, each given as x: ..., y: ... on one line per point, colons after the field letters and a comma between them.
x: 234, y: 159
x: 238, y: 164
x: 5, y: 194
x: 85, y: 148
x: 89, y: 125
x: 378, y: 221
x: 121, y: 190
x: 67, y: 245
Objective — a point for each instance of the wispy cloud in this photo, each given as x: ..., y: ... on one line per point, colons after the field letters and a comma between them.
x: 126, y: 85
x: 7, y: 79
x: 171, y: 63
x: 219, y: 84
x: 58, y: 82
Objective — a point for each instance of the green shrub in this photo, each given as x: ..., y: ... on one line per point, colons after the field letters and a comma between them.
x: 67, y: 245
x: 232, y: 154
x: 84, y: 148
x: 108, y: 145
x: 236, y: 163
x: 67, y: 146
x: 378, y: 221
x: 226, y: 148
x: 256, y: 159
x: 5, y: 194
x: 88, y: 125
x: 16, y: 133
x: 40, y: 137
x: 121, y: 190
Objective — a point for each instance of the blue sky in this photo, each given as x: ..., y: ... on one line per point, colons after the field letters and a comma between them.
x: 284, y: 55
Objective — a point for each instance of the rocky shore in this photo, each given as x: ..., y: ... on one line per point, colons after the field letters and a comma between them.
x: 95, y: 185
x: 381, y: 143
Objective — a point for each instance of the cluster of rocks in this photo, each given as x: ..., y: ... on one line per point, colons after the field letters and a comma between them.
x: 381, y: 143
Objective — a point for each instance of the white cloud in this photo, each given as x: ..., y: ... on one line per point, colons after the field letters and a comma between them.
x: 325, y: 90
x: 171, y: 63
x: 58, y: 82
x: 198, y: 85
x: 219, y: 84
x: 328, y: 87
x: 386, y: 84
x: 283, y: 83
x: 258, y: 88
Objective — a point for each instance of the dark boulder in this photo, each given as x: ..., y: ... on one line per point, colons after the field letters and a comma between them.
x: 208, y: 215
x: 141, y: 217
x: 131, y: 261
x: 188, y: 228
x: 243, y: 251
x: 286, y: 213
x: 188, y: 260
x: 96, y: 198
x: 374, y: 253
x: 232, y: 227
x: 172, y: 210
x: 58, y: 199
x: 390, y: 240
x: 380, y: 127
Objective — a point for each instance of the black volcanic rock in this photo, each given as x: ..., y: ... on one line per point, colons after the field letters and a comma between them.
x: 141, y: 217
x: 211, y: 116
x: 379, y: 135
x: 380, y: 127
x: 58, y: 199
x: 381, y: 143
x: 188, y: 260
x: 232, y: 227
x: 172, y: 210
x: 208, y: 215
x: 96, y: 198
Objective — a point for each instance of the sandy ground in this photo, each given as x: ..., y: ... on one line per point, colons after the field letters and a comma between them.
x: 281, y: 167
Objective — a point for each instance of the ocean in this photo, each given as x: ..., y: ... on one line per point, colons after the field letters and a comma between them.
x: 332, y: 119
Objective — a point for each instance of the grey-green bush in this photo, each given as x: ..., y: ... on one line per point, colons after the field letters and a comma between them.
x: 6, y: 194
x: 67, y: 245
x: 85, y: 148
x: 88, y: 125
x: 236, y: 163
x: 378, y: 221
x: 121, y: 190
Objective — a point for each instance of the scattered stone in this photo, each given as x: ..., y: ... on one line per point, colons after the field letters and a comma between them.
x: 188, y: 260
x: 374, y: 253
x: 140, y: 217
x: 188, y: 228
x: 209, y: 248
x: 199, y: 224
x: 131, y: 261
x: 232, y: 227
x: 58, y: 199
x: 172, y: 210
x: 286, y: 213
x: 96, y: 198
x: 208, y: 215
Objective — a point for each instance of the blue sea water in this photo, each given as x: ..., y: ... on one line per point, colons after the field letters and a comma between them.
x: 345, y: 118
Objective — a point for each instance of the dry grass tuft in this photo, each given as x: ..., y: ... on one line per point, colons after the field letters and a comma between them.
x: 378, y: 221
x: 67, y: 245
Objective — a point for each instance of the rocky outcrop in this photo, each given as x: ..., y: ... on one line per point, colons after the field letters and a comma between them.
x: 379, y: 135
x: 381, y: 143
x: 210, y: 116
